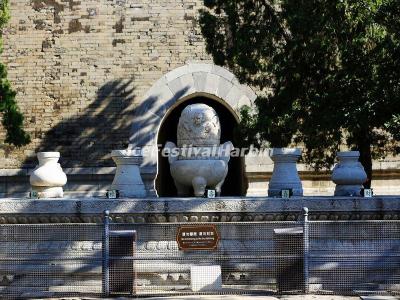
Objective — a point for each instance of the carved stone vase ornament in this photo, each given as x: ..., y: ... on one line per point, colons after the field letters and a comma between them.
x: 48, y: 177
x: 348, y: 174
x: 198, y: 161
x: 284, y: 174
x: 127, y: 179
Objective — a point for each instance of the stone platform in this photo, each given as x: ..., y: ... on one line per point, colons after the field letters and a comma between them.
x: 52, y: 253
x: 160, y: 210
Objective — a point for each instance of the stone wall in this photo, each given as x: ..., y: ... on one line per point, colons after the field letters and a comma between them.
x: 81, y: 67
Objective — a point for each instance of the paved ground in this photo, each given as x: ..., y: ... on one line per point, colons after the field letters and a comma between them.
x: 255, y: 297
x: 292, y: 297
x: 232, y: 297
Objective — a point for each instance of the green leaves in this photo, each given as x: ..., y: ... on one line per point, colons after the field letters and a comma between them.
x: 333, y: 66
x: 12, y: 118
x: 4, y: 13
x: 242, y: 35
x: 393, y: 126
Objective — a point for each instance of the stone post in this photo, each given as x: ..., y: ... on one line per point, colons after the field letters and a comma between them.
x: 284, y: 174
x: 127, y: 179
x: 348, y: 174
x: 48, y: 177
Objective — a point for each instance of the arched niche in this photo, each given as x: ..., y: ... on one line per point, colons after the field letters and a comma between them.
x: 235, y: 182
x: 191, y: 82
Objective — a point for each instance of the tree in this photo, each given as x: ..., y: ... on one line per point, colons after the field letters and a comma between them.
x: 12, y: 118
x: 328, y: 72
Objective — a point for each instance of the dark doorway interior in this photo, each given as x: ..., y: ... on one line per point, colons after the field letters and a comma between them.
x: 234, y: 184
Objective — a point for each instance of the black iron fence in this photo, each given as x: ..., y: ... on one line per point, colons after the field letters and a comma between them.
x: 336, y: 257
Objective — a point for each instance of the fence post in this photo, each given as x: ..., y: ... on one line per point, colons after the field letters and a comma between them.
x: 306, y: 245
x: 106, y: 254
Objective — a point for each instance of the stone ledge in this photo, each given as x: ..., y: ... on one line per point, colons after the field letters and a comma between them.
x: 251, y: 167
x: 199, y: 205
x: 69, y: 171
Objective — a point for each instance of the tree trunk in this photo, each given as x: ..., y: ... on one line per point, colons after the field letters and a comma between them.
x: 364, y: 147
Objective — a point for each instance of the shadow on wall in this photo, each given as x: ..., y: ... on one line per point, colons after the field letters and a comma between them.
x: 106, y: 124
x: 153, y: 112
x: 86, y: 140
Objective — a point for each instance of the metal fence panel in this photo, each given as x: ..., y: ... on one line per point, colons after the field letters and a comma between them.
x: 336, y: 257
x: 351, y: 257
x: 249, y: 257
x: 47, y: 260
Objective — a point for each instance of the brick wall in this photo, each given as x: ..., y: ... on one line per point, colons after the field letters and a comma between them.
x: 81, y: 67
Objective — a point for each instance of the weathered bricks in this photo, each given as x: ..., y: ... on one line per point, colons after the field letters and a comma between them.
x: 81, y: 67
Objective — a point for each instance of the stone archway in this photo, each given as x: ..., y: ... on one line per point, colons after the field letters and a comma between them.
x: 173, y: 88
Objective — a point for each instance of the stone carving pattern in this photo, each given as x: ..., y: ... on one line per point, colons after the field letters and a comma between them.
x: 199, y: 217
x: 198, y: 126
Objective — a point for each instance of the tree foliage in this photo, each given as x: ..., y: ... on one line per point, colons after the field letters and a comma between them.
x: 12, y: 118
x: 332, y: 68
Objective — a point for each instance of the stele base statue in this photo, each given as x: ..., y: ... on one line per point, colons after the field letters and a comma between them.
x: 199, y: 161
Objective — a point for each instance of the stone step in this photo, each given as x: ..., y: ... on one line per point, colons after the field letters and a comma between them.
x: 49, y: 269
x: 326, y: 247
x: 149, y: 286
x: 37, y: 280
x: 320, y: 266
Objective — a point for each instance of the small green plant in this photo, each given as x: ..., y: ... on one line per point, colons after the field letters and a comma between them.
x: 12, y: 118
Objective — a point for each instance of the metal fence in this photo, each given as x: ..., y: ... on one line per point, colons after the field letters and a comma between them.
x: 348, y: 257
x: 336, y: 257
x: 44, y: 260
